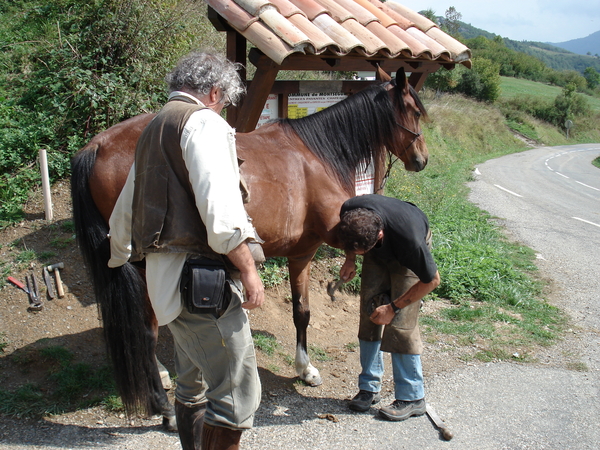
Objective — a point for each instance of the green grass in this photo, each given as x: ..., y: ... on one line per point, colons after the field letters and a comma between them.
x: 596, y: 162
x: 516, y: 87
x: 265, y: 342
x: 495, y: 297
x: 67, y: 386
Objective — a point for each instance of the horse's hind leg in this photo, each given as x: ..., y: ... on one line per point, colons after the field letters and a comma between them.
x: 158, y: 397
x: 299, y: 269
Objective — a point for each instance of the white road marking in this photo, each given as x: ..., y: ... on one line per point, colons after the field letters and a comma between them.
x: 506, y: 190
x: 558, y: 173
x: 586, y: 221
x: 586, y: 185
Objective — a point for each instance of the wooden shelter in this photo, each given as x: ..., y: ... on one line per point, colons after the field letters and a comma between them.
x: 326, y: 35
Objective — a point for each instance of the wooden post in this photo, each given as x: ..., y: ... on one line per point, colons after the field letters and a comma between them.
x: 46, y: 184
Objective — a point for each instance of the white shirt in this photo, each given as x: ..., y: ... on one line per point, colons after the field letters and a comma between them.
x: 208, y: 149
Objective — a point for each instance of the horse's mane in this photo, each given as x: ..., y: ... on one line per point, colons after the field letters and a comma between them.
x: 346, y: 135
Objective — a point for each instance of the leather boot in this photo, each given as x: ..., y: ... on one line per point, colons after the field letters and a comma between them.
x: 190, y: 421
x: 220, y: 438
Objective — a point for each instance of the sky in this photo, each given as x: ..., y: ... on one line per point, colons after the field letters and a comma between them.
x: 523, y: 20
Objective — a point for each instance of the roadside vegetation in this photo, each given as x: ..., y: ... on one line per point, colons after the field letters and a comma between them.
x: 56, y: 74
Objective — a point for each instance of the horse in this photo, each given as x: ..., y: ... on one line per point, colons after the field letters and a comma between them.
x: 299, y: 172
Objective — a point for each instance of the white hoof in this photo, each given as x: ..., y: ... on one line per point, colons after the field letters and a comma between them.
x: 305, y: 370
x: 311, y: 376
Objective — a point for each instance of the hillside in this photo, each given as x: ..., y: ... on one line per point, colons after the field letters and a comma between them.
x: 554, y: 56
x: 583, y: 46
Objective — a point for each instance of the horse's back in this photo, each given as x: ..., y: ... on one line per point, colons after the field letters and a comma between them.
x: 294, y: 199
x: 115, y: 153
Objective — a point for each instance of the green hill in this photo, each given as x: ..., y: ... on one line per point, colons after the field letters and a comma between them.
x: 554, y: 57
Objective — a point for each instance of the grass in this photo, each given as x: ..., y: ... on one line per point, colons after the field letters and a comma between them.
x: 495, y: 297
x: 515, y: 87
x: 596, y: 162
x: 67, y: 386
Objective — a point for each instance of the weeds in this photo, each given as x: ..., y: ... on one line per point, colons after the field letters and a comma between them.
x: 67, y: 386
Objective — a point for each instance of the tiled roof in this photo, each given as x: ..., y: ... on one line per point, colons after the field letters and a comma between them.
x: 367, y: 28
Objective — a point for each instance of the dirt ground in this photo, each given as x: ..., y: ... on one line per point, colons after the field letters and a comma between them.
x: 72, y: 322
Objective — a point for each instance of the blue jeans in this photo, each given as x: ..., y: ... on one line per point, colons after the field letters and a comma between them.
x: 407, y: 371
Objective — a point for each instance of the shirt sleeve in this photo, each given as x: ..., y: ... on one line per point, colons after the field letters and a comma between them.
x: 208, y: 148
x: 120, y: 224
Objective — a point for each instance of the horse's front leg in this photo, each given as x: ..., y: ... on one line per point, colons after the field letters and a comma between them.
x: 299, y: 269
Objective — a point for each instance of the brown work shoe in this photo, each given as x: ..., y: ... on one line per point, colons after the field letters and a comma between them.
x: 402, y: 410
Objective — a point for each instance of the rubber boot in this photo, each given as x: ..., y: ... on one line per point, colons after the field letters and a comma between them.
x: 190, y: 422
x: 220, y: 438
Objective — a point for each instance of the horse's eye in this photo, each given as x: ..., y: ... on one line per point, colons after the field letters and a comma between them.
x: 418, y: 114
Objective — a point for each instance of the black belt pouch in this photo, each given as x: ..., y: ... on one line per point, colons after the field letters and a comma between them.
x: 204, y: 287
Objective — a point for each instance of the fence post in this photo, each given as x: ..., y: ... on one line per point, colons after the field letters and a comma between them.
x: 46, y: 184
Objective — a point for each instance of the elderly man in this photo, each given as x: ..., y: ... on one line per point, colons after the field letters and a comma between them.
x: 398, y: 271
x: 184, y: 201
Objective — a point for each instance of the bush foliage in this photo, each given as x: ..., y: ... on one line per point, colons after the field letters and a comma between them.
x: 74, y: 68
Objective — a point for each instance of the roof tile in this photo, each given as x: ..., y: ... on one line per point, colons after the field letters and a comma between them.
x: 370, y: 28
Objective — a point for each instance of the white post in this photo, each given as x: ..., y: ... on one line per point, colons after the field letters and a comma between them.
x: 46, y: 184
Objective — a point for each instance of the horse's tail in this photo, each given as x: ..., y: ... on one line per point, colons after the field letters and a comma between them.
x: 120, y: 294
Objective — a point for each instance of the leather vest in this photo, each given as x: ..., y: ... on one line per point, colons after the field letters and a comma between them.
x: 164, y: 217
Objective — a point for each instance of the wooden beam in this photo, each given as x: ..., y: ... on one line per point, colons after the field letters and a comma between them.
x: 236, y: 52
x: 259, y: 90
x: 348, y: 63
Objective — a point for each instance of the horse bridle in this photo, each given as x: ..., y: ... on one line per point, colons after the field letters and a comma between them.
x: 390, y: 162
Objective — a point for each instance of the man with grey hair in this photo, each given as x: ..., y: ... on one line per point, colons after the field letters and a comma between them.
x: 185, y: 204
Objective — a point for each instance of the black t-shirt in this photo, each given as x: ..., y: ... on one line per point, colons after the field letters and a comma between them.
x: 405, y: 229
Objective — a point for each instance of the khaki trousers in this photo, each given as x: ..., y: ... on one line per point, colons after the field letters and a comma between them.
x: 216, y: 364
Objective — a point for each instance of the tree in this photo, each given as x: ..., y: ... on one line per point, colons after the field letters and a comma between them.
x: 592, y: 77
x: 430, y: 14
x: 482, y: 81
x: 452, y: 21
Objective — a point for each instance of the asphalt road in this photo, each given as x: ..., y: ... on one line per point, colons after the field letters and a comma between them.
x: 548, y: 199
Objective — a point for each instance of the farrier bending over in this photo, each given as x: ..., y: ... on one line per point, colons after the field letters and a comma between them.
x: 395, y: 239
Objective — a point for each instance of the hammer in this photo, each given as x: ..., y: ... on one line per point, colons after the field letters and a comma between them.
x: 56, y: 269
x: 333, y: 286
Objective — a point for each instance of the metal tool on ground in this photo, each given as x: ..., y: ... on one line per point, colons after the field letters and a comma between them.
x: 18, y: 284
x: 35, y: 303
x: 333, y: 286
x: 48, y: 283
x: 446, y: 433
x: 56, y: 269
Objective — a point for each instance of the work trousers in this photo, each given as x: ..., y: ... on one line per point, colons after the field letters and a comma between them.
x: 216, y: 364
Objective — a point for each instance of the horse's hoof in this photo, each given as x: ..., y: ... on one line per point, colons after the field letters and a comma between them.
x: 311, y: 376
x: 170, y: 423
x: 313, y: 380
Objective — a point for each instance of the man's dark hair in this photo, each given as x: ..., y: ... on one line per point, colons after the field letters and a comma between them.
x: 359, y: 229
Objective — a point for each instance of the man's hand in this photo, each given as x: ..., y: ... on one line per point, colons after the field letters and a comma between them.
x: 348, y: 270
x: 383, y: 315
x: 255, y: 291
x: 253, y: 287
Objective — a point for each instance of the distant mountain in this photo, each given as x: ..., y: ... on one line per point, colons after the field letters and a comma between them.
x: 553, y: 55
x: 583, y: 46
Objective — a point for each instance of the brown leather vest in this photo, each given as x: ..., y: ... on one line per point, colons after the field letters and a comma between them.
x: 165, y: 218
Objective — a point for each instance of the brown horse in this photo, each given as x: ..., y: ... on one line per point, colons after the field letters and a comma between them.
x: 299, y: 173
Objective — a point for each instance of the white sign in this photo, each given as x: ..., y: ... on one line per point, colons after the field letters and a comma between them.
x: 270, y: 111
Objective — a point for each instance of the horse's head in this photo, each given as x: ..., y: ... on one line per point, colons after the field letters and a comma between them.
x: 409, y: 144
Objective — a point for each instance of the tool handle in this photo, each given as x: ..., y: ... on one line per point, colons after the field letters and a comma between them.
x: 59, y: 285
x: 17, y: 283
x: 446, y: 433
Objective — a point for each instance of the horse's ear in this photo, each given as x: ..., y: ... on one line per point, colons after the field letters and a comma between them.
x: 382, y: 75
x: 401, y: 80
